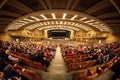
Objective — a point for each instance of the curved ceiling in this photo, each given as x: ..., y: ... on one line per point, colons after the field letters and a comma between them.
x: 58, y: 18
x: 100, y: 15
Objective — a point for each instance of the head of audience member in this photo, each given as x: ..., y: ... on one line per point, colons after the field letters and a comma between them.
x: 8, y: 51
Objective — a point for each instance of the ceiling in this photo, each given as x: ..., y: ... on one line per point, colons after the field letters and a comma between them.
x: 107, y: 12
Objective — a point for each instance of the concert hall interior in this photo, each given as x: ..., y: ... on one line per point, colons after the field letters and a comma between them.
x: 59, y: 39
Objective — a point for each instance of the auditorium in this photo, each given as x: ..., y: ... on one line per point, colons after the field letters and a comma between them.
x: 59, y: 39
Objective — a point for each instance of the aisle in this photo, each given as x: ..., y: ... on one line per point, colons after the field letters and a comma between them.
x: 57, y: 65
x: 57, y: 70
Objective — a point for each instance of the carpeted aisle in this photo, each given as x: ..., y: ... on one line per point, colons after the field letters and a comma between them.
x: 57, y: 65
x: 57, y: 69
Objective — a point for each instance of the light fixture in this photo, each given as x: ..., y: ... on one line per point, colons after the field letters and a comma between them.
x: 28, y: 20
x: 65, y: 23
x: 48, y: 23
x: 22, y: 21
x: 35, y: 18
x: 61, y: 22
x: 73, y: 17
x: 89, y: 21
x: 44, y: 23
x: 43, y: 16
x: 52, y: 22
x: 64, y: 15
x: 57, y: 22
x: 84, y: 18
x: 53, y: 15
x: 96, y: 22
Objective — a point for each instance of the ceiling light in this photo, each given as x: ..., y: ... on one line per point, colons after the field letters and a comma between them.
x: 72, y: 24
x: 73, y: 17
x: 61, y: 22
x: 89, y: 21
x: 52, y: 22
x: 84, y: 18
x: 65, y: 22
x: 76, y: 24
x: 35, y: 18
x: 45, y: 23
x: 57, y: 22
x: 23, y: 22
x: 96, y: 22
x: 64, y: 15
x: 43, y: 16
x: 48, y: 22
x: 69, y: 23
x: 19, y: 23
x: 53, y: 15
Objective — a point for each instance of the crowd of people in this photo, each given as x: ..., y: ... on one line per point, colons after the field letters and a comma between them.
x: 106, y: 51
x: 102, y: 53
x: 35, y: 52
x: 39, y: 53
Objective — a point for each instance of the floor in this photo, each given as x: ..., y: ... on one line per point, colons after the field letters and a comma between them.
x: 58, y: 71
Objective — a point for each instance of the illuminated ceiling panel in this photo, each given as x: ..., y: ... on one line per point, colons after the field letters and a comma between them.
x: 59, y: 27
x: 44, y: 17
x: 65, y: 23
x: 70, y: 18
x: 64, y: 15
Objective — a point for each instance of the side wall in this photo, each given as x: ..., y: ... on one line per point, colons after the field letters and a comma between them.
x: 110, y: 38
x: 115, y: 36
x: 5, y: 37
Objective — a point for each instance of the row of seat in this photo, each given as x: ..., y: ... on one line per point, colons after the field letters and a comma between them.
x: 30, y: 63
x: 25, y: 55
x: 81, y: 65
x: 79, y: 61
x: 75, y: 60
x: 75, y: 56
x: 94, y: 72
x: 30, y: 74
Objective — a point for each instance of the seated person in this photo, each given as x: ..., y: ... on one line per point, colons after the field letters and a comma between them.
x: 89, y: 73
x: 9, y: 73
x: 99, y: 69
x: 8, y: 52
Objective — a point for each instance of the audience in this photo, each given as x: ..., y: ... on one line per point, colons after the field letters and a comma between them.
x: 45, y: 52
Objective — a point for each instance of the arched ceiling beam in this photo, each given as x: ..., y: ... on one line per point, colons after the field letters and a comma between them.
x: 6, y: 19
x: 75, y: 3
x: 43, y: 4
x: 98, y: 6
x: 91, y: 21
x: 69, y: 3
x: 57, y: 26
x: 2, y: 3
x: 19, y: 5
x: 61, y: 29
x: 116, y: 5
x: 75, y: 29
x: 9, y: 13
x: 108, y: 15
x: 48, y: 3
